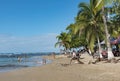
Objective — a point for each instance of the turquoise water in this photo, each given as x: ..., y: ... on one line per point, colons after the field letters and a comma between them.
x: 10, y: 62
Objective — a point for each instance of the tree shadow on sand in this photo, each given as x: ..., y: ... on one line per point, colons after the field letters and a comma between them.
x: 114, y: 60
x: 67, y: 64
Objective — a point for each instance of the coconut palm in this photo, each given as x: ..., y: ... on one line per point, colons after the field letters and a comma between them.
x: 72, y: 29
x: 101, y: 5
x: 89, y: 20
x: 64, y: 40
x: 76, y: 41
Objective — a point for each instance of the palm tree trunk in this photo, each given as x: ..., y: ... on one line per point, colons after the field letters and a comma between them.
x: 99, y: 46
x: 109, y: 50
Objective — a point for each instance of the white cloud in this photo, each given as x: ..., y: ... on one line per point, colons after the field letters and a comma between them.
x: 41, y: 43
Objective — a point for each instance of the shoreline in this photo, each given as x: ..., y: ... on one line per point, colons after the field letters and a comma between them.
x: 60, y: 70
x: 24, y: 63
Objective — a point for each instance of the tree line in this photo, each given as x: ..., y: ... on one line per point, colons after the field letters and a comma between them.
x: 96, y: 21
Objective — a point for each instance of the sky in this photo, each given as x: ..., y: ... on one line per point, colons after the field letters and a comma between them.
x: 32, y: 25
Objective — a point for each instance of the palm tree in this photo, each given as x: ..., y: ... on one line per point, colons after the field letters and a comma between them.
x: 78, y: 39
x: 64, y: 40
x: 76, y: 42
x: 100, y: 5
x: 89, y: 20
x: 72, y: 29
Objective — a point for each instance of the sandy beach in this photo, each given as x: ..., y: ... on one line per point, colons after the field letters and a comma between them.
x: 60, y: 70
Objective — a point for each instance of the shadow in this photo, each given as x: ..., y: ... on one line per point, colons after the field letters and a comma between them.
x: 65, y: 65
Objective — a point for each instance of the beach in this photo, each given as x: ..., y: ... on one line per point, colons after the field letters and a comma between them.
x: 60, y: 70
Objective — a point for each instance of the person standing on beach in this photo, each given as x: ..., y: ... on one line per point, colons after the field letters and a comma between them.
x: 19, y: 58
x: 43, y: 61
x: 74, y: 53
x: 74, y: 57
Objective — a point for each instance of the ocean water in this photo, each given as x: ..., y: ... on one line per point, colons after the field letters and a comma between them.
x: 10, y: 62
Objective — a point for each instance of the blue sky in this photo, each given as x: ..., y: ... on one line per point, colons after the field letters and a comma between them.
x: 32, y: 25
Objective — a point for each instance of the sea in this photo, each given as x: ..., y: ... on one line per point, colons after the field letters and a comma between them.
x: 13, y: 61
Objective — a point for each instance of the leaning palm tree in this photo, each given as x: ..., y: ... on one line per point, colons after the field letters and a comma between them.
x: 89, y: 20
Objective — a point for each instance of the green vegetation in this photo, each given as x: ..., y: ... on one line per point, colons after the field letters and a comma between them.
x: 95, y: 22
